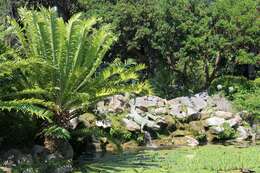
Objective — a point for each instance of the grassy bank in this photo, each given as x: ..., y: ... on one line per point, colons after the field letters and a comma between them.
x: 207, y: 159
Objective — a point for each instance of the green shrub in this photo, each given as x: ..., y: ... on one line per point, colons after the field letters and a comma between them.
x: 239, y: 84
x: 228, y: 133
x: 201, y: 137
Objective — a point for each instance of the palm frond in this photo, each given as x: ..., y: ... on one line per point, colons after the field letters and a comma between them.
x: 28, y: 106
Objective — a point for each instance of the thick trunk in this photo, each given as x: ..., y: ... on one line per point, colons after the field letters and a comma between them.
x: 62, y: 147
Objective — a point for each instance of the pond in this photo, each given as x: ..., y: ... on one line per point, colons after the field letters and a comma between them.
x: 204, y: 159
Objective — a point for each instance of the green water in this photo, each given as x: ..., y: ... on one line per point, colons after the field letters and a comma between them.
x: 206, y: 159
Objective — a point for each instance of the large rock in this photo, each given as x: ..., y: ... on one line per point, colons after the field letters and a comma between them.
x: 234, y: 121
x: 147, y: 101
x: 160, y: 110
x: 223, y: 114
x: 183, y: 112
x: 39, y: 152
x: 195, y: 102
x: 243, y: 133
x: 215, y: 121
x: 220, y: 103
x: 216, y: 129
x: 62, y: 148
x: 131, y: 125
x: 199, y: 103
x: 143, y: 121
x: 113, y: 104
x: 197, y: 126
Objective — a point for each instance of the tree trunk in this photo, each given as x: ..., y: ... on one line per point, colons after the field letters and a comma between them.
x: 62, y: 147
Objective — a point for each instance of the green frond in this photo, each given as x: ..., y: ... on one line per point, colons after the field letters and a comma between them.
x: 26, y: 106
x: 57, y: 132
x: 29, y: 91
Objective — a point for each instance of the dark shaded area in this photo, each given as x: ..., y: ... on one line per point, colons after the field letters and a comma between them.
x: 16, y: 130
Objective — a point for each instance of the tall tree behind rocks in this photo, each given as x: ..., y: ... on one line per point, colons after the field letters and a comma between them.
x: 186, y: 44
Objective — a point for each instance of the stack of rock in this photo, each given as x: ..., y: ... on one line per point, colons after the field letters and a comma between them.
x: 200, y: 112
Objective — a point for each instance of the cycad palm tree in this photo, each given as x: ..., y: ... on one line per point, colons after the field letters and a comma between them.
x: 58, y: 76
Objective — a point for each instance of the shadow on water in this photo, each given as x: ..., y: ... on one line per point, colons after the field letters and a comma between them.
x: 108, y: 162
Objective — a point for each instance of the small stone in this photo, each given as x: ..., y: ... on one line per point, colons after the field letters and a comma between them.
x: 73, y: 123
x: 104, y: 123
x: 191, y: 141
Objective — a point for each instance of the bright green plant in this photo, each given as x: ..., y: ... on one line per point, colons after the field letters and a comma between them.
x: 245, y: 94
x: 58, y: 67
x: 239, y: 84
x: 249, y: 99
x: 228, y: 133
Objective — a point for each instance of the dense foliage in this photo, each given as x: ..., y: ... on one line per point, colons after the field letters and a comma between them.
x: 56, y: 66
x: 186, y: 44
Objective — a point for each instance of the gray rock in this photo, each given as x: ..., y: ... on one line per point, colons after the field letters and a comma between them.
x: 66, y: 150
x: 148, y: 101
x: 220, y: 103
x: 113, y: 104
x: 191, y: 141
x: 234, y: 121
x: 199, y: 103
x: 215, y: 121
x: 130, y: 125
x: 223, y: 114
x: 203, y: 95
x: 142, y: 121
x: 183, y: 112
x: 186, y: 101
x: 177, y: 110
x: 39, y: 152
x: 216, y: 129
x: 160, y: 110
x: 243, y: 133
x: 195, y: 102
